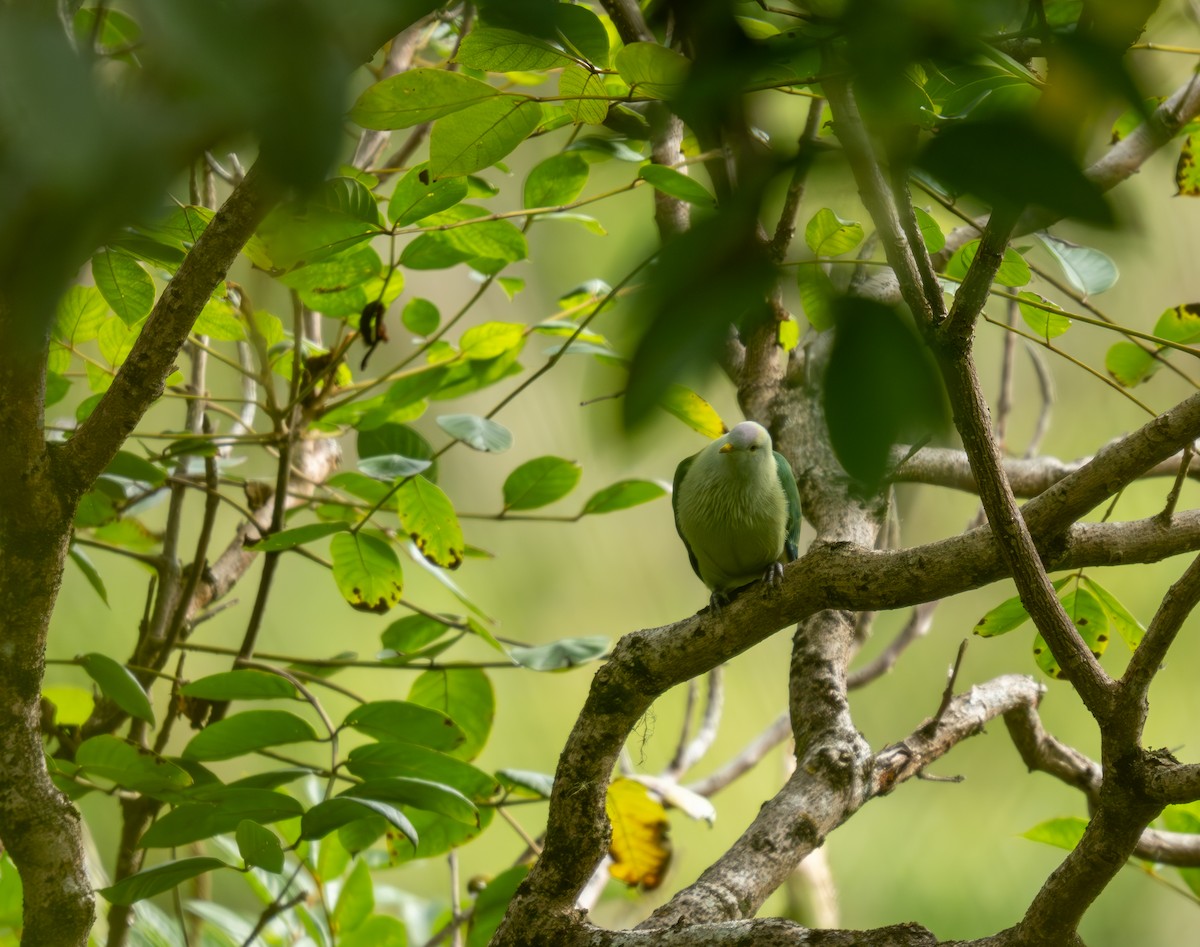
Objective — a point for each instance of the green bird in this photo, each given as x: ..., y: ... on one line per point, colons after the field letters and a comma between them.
x: 737, y: 510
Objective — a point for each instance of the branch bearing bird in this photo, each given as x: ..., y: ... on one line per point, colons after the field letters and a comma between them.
x: 737, y: 510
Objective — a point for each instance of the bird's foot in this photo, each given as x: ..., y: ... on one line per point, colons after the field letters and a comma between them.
x: 718, y: 600
x: 773, y: 577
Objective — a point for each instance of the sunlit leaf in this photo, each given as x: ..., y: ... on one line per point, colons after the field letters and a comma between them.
x: 931, y: 232
x: 651, y: 70
x: 1179, y: 323
x: 367, y: 571
x: 827, y: 234
x: 129, y: 765
x: 406, y: 722
x: 640, y: 850
x: 1013, y: 271
x: 240, y: 684
x: 1045, y: 324
x: 555, y: 181
x: 480, y: 135
x: 585, y: 95
x: 356, y: 900
x: 816, y: 295
x: 416, y: 96
x: 1130, y: 364
x: 1128, y: 627
x: 124, y: 284
x: 1061, y: 833
x: 693, y: 411
x: 428, y: 516
x: 499, y: 50
x: 297, y: 536
x: 417, y: 196
x: 332, y: 814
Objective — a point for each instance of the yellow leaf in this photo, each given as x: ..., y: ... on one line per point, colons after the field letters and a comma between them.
x: 693, y: 411
x: 640, y: 849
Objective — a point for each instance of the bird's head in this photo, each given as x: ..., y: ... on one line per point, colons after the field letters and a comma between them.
x: 747, y: 438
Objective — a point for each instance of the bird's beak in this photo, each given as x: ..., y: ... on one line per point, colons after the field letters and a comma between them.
x: 725, y: 449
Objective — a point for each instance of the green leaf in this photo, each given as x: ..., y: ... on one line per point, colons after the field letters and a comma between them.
x: 219, y: 320
x: 246, y: 732
x: 124, y: 284
x: 1014, y: 271
x: 582, y: 33
x: 416, y: 96
x: 259, y: 846
x: 332, y: 814
x: 1008, y: 615
x: 482, y: 434
x: 405, y: 722
x: 491, y: 904
x: 384, y: 440
x: 499, y: 50
x: 1130, y: 364
x: 1046, y: 325
x: 1087, y: 269
x: 367, y: 571
x: 652, y: 71
x: 816, y: 295
x: 216, y: 811
x: 539, y: 482
x: 1061, y: 833
x: 382, y: 760
x: 356, y: 900
x: 622, y: 495
x: 88, y: 568
x: 156, y: 880
x: 81, y: 311
x: 242, y: 684
x: 412, y: 633
x: 117, y: 683
x: 1179, y: 324
x: 439, y: 834
x: 420, y: 316
x: 581, y: 89
x: 1187, y: 175
x: 1045, y: 659
x: 72, y: 705
x: 1128, y: 627
x: 418, y: 196
x: 693, y: 411
x: 931, y: 233
x: 1089, y: 617
x: 488, y: 245
x: 343, y: 284
x: 556, y: 181
x: 491, y: 339
x: 129, y: 765
x: 392, y: 467
x: 527, y: 782
x: 464, y: 695
x: 675, y: 184
x: 428, y: 516
x: 827, y: 234
x: 327, y: 221
x: 418, y: 793
x: 378, y: 930
x: 561, y: 655
x: 479, y: 136
x: 297, y: 536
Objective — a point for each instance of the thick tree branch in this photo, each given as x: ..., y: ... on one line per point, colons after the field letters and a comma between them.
x: 139, y: 382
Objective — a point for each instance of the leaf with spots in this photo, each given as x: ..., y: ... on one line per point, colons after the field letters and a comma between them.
x: 1179, y: 324
x: 428, y: 516
x: 1127, y: 626
x: 1089, y: 619
x: 367, y: 571
x: 1187, y: 175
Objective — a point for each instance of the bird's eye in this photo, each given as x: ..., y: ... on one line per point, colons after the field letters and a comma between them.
x: 754, y: 447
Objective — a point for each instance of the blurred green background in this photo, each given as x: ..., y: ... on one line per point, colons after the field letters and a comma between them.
x: 947, y: 855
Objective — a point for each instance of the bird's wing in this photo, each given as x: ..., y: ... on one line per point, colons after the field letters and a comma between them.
x: 787, y: 480
x: 680, y: 473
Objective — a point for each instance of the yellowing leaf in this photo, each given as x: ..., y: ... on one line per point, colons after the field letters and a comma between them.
x: 640, y: 849
x: 428, y: 516
x: 693, y: 411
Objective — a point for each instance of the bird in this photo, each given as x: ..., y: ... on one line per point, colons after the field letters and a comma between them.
x: 737, y: 511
